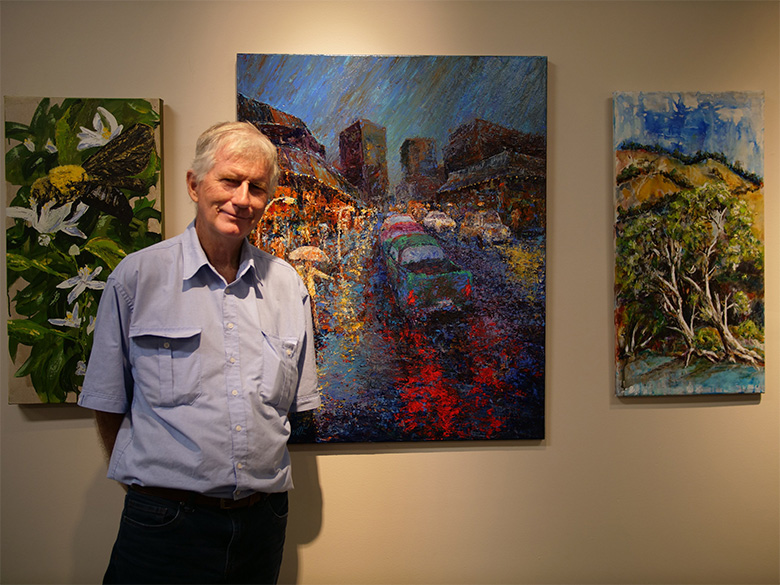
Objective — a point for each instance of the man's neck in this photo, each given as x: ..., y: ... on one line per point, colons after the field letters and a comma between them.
x: 224, y: 258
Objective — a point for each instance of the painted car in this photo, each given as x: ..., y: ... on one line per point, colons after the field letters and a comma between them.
x: 486, y: 226
x: 424, y: 279
x: 438, y: 221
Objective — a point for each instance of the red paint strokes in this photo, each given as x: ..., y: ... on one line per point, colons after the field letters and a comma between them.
x: 429, y: 406
x: 437, y: 402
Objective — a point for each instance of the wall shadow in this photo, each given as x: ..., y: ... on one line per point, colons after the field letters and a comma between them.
x: 96, y: 530
x: 305, y: 519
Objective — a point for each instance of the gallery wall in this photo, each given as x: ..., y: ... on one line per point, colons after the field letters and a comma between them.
x: 665, y: 490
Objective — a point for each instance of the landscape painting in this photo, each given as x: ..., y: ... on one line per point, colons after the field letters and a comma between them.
x: 689, y: 243
x: 83, y: 191
x: 412, y: 201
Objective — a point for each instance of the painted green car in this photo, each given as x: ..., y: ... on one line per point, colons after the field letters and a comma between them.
x: 424, y: 279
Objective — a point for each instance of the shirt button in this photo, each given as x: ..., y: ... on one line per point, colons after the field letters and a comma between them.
x: 234, y: 392
x: 227, y: 291
x: 232, y: 360
x: 240, y: 466
x: 238, y: 427
x: 166, y: 345
x: 230, y: 326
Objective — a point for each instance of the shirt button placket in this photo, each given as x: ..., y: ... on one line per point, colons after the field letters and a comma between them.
x: 236, y: 407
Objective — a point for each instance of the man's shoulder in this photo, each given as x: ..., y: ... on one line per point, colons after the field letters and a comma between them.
x: 262, y: 257
x: 276, y: 272
x: 157, y: 257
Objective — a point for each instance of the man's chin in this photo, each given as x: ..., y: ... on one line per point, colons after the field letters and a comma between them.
x: 236, y: 227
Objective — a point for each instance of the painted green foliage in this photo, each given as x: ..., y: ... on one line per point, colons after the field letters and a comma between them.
x: 691, y: 266
x: 85, y: 169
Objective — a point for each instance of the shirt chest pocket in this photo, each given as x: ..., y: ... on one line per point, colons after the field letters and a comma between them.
x: 166, y: 364
x: 280, y: 369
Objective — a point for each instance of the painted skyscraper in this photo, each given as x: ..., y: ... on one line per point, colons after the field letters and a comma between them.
x: 363, y: 160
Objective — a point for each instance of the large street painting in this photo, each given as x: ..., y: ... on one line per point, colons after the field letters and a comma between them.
x: 689, y: 243
x: 412, y: 201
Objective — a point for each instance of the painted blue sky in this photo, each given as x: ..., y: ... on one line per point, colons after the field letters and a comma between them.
x: 731, y: 123
x: 418, y: 96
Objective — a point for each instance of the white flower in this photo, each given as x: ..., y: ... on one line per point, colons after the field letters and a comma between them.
x: 83, y: 280
x: 51, y: 219
x: 102, y: 134
x: 74, y: 251
x: 30, y: 145
x: 71, y: 319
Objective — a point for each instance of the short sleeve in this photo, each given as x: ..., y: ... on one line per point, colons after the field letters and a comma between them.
x: 308, y: 395
x: 108, y: 382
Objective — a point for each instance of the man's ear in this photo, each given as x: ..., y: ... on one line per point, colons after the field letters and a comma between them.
x: 192, y: 185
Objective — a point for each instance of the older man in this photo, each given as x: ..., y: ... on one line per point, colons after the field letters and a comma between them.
x: 203, y: 344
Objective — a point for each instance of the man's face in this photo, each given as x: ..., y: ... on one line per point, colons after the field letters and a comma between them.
x: 231, y: 198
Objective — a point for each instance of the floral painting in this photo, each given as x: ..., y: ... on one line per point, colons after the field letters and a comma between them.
x: 412, y: 201
x: 83, y: 191
x: 689, y: 243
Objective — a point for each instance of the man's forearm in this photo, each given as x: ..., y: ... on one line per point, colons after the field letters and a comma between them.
x: 108, y: 424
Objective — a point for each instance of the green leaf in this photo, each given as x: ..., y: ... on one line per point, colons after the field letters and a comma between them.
x: 16, y: 131
x: 32, y: 303
x: 147, y: 115
x: 40, y: 118
x: 26, y: 331
x: 146, y: 213
x: 13, y: 346
x: 22, y: 197
x: 107, y: 250
x: 19, y: 263
x: 67, y: 141
x: 14, y: 162
x: 33, y: 363
x: 45, y: 379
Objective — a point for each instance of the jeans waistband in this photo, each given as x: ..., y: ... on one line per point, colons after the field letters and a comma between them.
x: 194, y: 498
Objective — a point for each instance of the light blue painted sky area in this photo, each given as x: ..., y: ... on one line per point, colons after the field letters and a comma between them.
x: 417, y: 96
x: 730, y: 123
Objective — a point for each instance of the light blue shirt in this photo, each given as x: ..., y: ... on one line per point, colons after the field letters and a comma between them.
x: 205, y: 371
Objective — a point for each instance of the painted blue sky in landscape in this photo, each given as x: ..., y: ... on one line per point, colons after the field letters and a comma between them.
x: 730, y: 123
x: 418, y: 96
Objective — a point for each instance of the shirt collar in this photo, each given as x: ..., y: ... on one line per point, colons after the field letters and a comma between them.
x: 194, y: 258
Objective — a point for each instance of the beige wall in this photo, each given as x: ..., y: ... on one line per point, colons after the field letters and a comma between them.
x: 620, y: 491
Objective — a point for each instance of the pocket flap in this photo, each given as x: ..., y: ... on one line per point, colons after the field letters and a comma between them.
x: 162, y: 331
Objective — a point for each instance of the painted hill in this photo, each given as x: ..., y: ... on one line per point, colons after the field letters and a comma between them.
x: 643, y: 176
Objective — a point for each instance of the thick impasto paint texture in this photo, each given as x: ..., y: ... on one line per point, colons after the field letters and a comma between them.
x: 412, y: 201
x: 83, y: 192
x: 689, y: 243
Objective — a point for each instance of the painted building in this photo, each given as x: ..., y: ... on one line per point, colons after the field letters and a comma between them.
x: 363, y: 160
x: 422, y: 175
x: 489, y: 166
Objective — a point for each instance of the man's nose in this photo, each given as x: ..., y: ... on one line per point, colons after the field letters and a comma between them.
x: 241, y: 195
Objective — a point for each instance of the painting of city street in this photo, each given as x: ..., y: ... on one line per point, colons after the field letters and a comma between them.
x: 412, y: 201
x: 689, y: 243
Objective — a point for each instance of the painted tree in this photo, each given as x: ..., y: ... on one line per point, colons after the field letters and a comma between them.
x: 688, y: 262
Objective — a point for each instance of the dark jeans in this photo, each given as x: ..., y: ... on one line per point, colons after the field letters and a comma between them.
x: 163, y: 541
